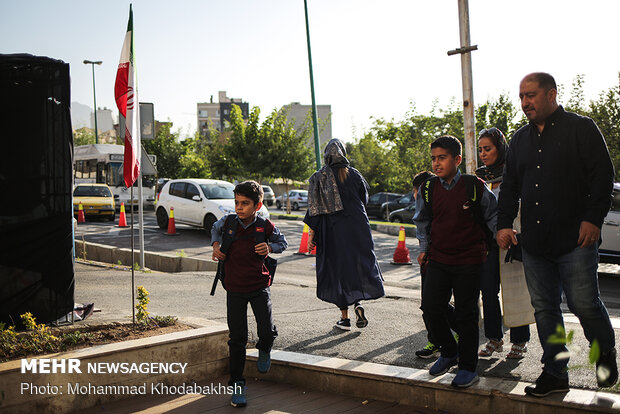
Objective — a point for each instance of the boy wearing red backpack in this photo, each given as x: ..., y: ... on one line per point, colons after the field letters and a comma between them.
x: 248, y: 240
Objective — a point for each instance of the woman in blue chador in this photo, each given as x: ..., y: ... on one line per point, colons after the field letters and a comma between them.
x: 347, y: 271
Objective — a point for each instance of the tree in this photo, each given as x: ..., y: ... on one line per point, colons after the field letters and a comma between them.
x: 168, y: 150
x: 292, y: 153
x: 193, y: 163
x: 83, y: 136
x: 605, y: 111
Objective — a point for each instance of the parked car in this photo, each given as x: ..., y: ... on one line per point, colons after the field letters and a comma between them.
x: 97, y: 201
x: 609, y: 250
x: 269, y: 196
x: 198, y: 202
x: 403, y: 215
x: 375, y: 201
x: 397, y: 204
x: 299, y: 199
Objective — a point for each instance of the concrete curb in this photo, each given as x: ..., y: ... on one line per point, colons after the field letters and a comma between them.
x: 161, y: 262
x: 417, y: 388
x: 204, y: 349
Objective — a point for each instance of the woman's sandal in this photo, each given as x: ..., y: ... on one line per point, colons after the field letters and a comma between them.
x: 492, y: 346
x: 517, y: 351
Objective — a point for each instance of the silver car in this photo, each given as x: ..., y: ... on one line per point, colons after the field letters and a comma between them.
x: 299, y: 199
x: 269, y: 196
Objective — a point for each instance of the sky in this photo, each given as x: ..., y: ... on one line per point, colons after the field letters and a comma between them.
x: 371, y: 58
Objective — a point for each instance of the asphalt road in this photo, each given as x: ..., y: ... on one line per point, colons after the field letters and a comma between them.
x: 305, y: 324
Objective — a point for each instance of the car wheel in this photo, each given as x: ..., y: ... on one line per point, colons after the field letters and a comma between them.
x: 386, y: 214
x: 162, y: 218
x: 397, y: 219
x: 209, y: 221
x: 279, y: 205
x: 295, y: 206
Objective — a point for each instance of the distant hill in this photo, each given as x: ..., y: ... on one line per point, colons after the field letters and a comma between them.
x: 80, y: 115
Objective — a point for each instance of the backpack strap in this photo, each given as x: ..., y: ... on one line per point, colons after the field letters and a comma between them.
x: 475, y: 188
x: 230, y: 230
x: 427, y: 191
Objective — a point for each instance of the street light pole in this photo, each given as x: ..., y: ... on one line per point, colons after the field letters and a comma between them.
x: 315, y: 122
x: 93, y: 63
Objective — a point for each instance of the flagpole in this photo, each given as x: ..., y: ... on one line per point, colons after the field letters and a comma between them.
x: 133, y: 278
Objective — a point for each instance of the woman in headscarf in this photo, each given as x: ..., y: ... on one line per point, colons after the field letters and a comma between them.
x: 346, y: 266
x: 492, y: 148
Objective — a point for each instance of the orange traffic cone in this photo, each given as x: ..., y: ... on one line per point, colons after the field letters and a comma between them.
x: 122, y: 220
x: 303, y: 246
x: 172, y: 230
x: 313, y: 252
x: 401, y: 254
x: 81, y: 218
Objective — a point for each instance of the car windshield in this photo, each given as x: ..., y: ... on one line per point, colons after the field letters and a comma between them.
x: 303, y: 193
x: 218, y: 191
x: 267, y: 190
x: 91, y: 191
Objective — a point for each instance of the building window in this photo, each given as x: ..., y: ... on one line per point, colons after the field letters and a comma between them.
x: 203, y: 113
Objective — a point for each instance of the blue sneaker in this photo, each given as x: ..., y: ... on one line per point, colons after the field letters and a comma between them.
x: 263, y: 363
x: 464, y: 378
x: 238, y: 396
x: 442, y: 365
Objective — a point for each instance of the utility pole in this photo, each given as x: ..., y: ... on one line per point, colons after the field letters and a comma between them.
x: 93, y: 63
x: 469, y: 122
x: 315, y: 123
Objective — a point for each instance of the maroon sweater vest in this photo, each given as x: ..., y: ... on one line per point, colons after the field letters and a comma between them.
x: 456, y: 237
x: 245, y: 270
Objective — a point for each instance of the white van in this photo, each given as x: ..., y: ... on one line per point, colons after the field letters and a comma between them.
x: 198, y: 202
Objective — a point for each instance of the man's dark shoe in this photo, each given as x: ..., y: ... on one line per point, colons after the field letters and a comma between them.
x: 607, y: 369
x: 547, y: 384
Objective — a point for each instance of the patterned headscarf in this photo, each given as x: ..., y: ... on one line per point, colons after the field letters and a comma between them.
x: 493, y: 173
x: 323, y: 194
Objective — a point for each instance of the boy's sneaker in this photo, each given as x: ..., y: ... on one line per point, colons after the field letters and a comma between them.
x: 429, y: 351
x: 464, y: 378
x: 607, y: 369
x: 344, y: 324
x: 238, y: 396
x: 362, y: 322
x: 547, y: 384
x: 263, y: 363
x: 442, y: 365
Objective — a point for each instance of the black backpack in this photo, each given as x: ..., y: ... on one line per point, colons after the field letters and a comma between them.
x: 474, y: 189
x: 229, y: 236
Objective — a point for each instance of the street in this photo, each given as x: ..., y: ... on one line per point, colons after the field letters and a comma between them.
x: 305, y: 324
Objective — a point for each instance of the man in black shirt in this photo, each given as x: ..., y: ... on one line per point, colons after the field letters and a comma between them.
x: 559, y: 168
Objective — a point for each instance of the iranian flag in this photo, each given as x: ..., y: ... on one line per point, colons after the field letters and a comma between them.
x: 126, y: 95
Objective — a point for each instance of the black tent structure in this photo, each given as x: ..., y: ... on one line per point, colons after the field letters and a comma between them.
x: 36, y: 212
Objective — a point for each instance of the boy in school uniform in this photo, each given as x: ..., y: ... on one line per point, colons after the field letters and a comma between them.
x: 247, y: 280
x: 451, y: 215
x: 430, y: 350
